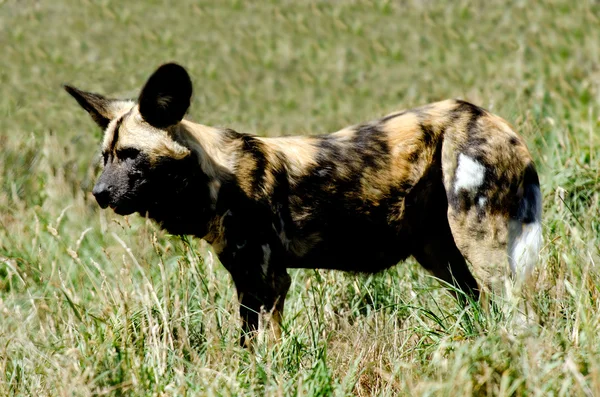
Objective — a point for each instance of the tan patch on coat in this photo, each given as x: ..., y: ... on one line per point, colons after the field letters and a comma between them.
x: 134, y: 132
x: 483, y: 242
x: 345, y: 134
x: 403, y: 139
x: 217, y: 154
x: 299, y: 153
x: 438, y: 115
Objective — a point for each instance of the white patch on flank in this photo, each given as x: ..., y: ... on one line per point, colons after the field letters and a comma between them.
x: 482, y: 201
x: 525, y: 241
x: 469, y: 174
x: 266, y: 257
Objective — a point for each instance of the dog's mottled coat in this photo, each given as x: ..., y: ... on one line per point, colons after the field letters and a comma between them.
x: 444, y: 182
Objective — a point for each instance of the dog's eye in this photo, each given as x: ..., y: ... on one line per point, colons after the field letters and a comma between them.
x: 127, y: 153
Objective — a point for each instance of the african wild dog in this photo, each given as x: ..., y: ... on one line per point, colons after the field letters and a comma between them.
x: 443, y: 182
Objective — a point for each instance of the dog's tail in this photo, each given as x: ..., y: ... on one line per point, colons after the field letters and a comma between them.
x: 525, y: 226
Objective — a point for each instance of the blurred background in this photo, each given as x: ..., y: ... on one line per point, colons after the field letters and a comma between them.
x: 94, y: 303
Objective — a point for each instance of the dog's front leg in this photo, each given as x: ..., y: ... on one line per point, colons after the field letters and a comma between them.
x: 262, y: 283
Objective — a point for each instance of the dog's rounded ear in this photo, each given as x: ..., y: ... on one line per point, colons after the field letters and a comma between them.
x: 166, y: 96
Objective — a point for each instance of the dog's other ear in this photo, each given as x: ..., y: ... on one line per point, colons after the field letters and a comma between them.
x: 102, y: 109
x: 166, y: 96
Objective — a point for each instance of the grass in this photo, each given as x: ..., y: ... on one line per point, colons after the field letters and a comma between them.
x: 96, y: 304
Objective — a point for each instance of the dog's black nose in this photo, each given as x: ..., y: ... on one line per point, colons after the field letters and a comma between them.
x: 102, y: 193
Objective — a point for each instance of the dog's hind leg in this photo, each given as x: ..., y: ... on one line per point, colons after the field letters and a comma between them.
x: 438, y: 254
x: 494, y: 200
x: 501, y: 242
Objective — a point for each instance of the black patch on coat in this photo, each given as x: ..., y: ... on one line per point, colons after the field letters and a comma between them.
x: 256, y: 149
x: 474, y: 138
x: 230, y: 134
x: 371, y: 146
x: 393, y: 116
x: 115, y: 137
x: 413, y: 157
x: 474, y: 144
x: 282, y: 222
x: 176, y: 195
x: 427, y: 134
x: 528, y: 209
x: 467, y: 107
x: 462, y: 201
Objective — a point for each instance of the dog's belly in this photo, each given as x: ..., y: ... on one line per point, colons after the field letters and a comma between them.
x: 366, y: 248
x: 350, y: 258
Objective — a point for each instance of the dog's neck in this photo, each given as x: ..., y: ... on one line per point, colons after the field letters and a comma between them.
x: 194, y: 183
x: 215, y: 148
x: 182, y: 204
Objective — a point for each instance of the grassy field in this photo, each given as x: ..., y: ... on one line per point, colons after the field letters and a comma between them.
x: 96, y: 304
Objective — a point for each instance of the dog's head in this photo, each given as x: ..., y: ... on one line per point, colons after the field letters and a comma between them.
x: 140, y: 148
